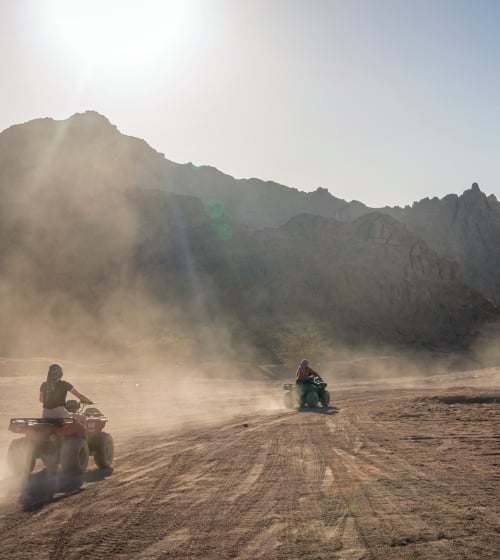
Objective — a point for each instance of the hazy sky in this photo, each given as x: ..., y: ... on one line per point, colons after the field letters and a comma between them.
x: 383, y: 101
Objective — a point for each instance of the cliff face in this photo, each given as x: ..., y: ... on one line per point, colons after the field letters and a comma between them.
x: 464, y: 228
x: 94, y: 248
x: 370, y: 280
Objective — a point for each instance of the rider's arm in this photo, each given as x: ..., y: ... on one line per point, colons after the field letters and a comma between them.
x: 81, y: 396
x: 315, y: 374
x: 42, y: 392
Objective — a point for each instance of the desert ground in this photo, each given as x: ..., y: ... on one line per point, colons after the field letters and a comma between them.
x: 217, y: 468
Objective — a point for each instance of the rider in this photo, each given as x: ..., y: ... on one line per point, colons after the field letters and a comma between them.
x: 305, y: 375
x: 53, y: 394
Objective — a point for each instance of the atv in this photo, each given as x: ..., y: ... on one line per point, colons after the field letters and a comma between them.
x: 306, y: 395
x: 61, y: 442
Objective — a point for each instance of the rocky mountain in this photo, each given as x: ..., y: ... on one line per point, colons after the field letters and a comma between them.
x: 370, y: 280
x: 465, y: 229
x: 462, y: 228
x: 130, y: 161
x: 97, y: 251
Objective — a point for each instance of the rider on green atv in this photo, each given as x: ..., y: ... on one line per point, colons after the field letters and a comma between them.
x: 305, y: 375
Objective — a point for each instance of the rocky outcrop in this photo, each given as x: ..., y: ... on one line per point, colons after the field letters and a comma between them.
x: 369, y: 281
x: 465, y: 229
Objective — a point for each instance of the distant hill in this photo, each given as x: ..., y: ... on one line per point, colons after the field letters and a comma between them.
x: 105, y: 243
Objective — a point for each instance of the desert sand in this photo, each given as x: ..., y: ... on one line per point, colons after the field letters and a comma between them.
x: 219, y: 469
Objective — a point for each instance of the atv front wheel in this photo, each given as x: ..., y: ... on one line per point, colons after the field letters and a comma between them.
x: 312, y: 399
x: 325, y: 401
x: 21, y: 456
x: 74, y: 455
x: 104, y: 450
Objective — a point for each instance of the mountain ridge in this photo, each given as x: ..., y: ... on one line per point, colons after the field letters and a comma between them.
x: 131, y: 245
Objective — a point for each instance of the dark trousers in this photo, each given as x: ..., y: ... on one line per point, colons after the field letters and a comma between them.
x: 304, y: 385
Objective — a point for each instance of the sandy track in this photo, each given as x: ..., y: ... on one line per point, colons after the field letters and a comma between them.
x: 397, y: 473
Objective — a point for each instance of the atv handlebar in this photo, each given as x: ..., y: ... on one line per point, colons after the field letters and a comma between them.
x: 77, y: 406
x: 312, y: 381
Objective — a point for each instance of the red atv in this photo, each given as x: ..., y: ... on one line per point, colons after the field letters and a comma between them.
x: 67, y: 442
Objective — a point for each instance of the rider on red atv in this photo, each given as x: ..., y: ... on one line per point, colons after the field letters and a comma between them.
x: 53, y: 394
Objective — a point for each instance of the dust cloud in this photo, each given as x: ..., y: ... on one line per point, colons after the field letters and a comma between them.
x: 139, y: 404
x: 102, y: 275
x: 486, y: 349
x: 392, y: 366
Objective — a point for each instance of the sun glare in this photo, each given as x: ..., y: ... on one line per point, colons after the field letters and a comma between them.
x: 122, y: 32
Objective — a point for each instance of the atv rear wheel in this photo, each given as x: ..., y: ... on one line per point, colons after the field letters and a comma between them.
x: 289, y: 400
x: 74, y: 455
x: 104, y: 450
x: 50, y: 461
x: 325, y: 400
x: 312, y: 399
x: 21, y: 456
